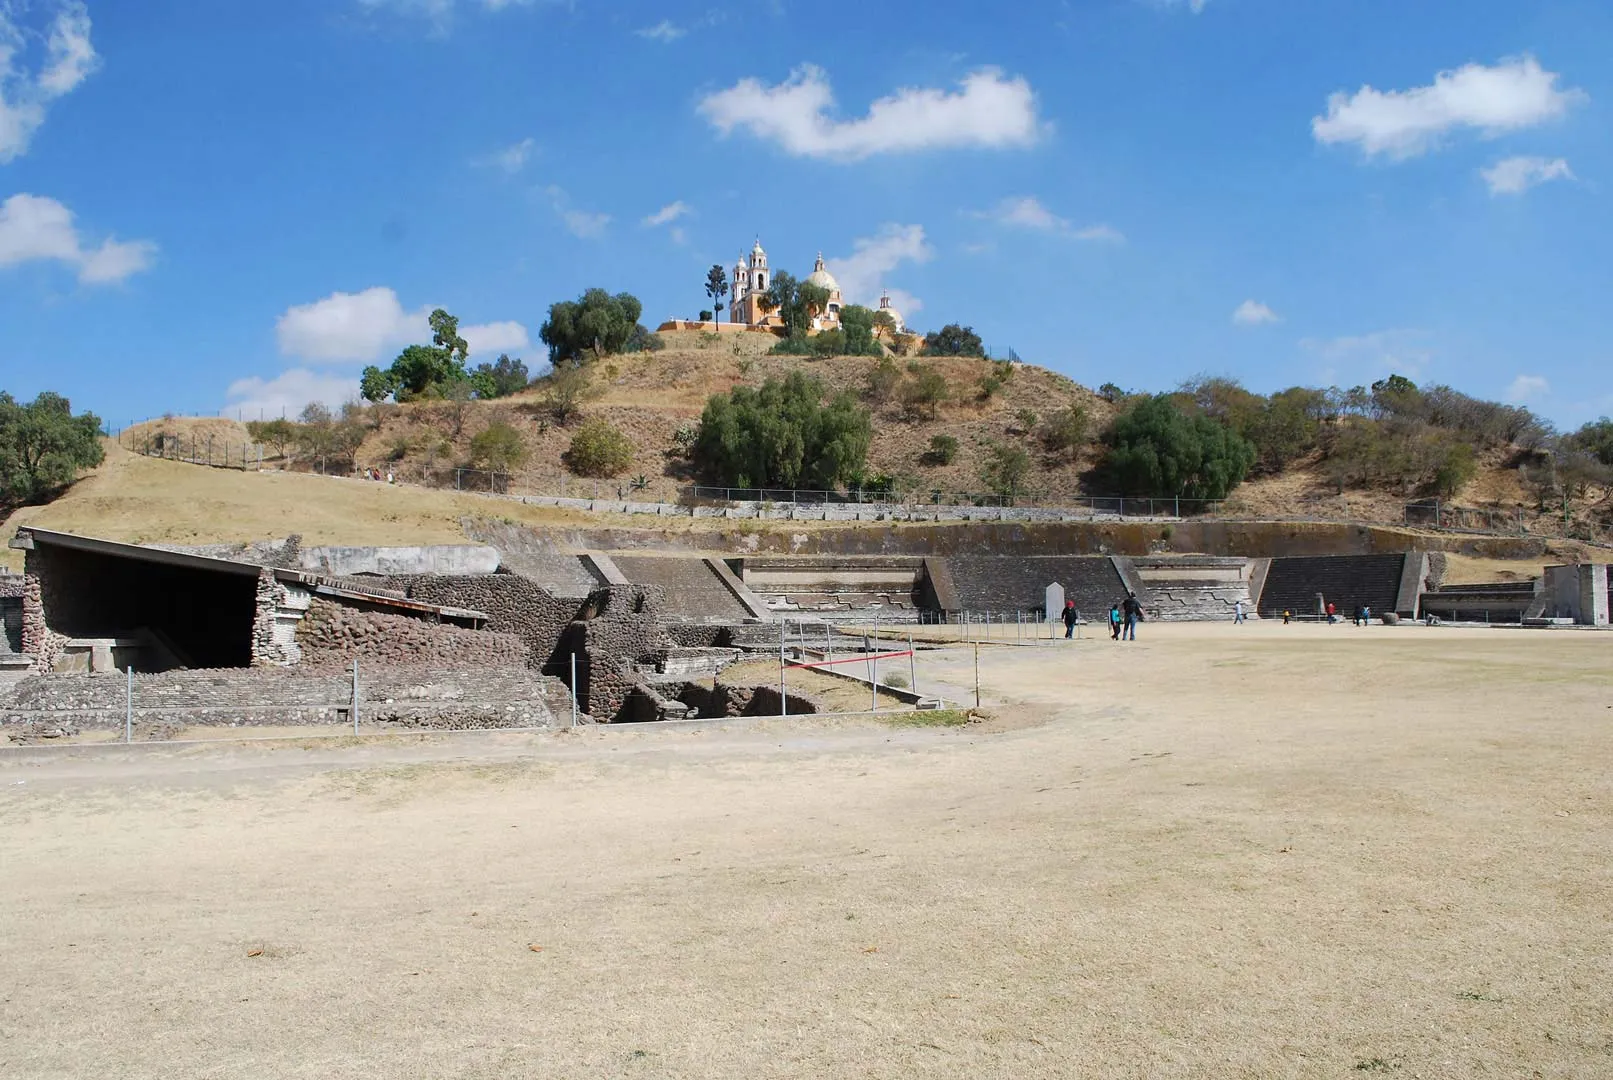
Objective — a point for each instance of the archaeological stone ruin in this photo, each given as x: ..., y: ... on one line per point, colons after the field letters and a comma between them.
x: 521, y: 632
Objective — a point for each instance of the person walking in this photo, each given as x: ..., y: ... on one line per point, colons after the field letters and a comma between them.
x: 1114, y: 622
x: 1133, y: 612
x: 1070, y: 617
x: 1332, y: 613
x: 1286, y: 616
x: 1237, y: 613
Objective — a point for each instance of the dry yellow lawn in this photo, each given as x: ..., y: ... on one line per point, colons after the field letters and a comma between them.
x: 1250, y: 852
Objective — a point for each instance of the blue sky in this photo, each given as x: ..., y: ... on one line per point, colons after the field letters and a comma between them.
x: 210, y: 206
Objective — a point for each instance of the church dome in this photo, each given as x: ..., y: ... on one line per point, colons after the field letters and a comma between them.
x: 896, y: 316
x: 822, y: 278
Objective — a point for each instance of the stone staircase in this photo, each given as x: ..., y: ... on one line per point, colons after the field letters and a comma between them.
x: 1346, y: 581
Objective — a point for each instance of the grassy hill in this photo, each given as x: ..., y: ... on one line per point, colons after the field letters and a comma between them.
x: 650, y: 396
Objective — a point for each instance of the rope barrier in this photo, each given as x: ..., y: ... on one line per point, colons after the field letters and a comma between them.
x: 853, y: 660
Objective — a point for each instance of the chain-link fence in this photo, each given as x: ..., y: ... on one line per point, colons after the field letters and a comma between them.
x: 1115, y: 505
x: 196, y: 449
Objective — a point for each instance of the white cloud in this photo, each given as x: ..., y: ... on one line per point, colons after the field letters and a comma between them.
x: 511, y: 159
x: 70, y: 58
x: 487, y: 340
x: 1527, y: 388
x: 1105, y: 234
x: 1516, y: 175
x: 33, y: 227
x: 667, y: 214
x: 988, y: 110
x: 1510, y: 96
x: 373, y: 324
x: 287, y: 393
x: 358, y: 326
x: 1027, y: 212
x: 862, y: 273
x: 1253, y: 313
x: 439, y: 9
x: 580, y: 223
x: 1361, y: 358
x: 664, y: 31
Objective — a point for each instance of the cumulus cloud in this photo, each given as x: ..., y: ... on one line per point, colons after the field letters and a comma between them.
x: 373, y: 324
x: 351, y: 327
x: 1516, y: 175
x: 862, y: 273
x: 25, y: 93
x: 33, y: 228
x: 664, y: 31
x: 1512, y: 95
x: 667, y: 214
x: 510, y: 159
x: 286, y: 394
x: 489, y: 339
x: 1253, y: 313
x: 987, y: 111
x: 1526, y: 388
x: 1027, y: 212
x: 582, y: 224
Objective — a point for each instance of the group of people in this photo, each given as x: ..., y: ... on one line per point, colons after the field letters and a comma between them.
x: 1124, y: 615
x: 375, y: 474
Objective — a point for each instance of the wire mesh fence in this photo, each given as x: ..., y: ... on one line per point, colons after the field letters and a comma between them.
x: 195, y: 449
x: 1116, y: 505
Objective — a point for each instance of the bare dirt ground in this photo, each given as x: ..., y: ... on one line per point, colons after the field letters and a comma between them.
x: 1256, y: 851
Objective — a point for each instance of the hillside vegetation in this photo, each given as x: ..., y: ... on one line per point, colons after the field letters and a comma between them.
x: 961, y: 424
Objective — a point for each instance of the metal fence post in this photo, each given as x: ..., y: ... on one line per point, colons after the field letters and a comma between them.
x: 355, y: 695
x: 573, y: 689
x: 783, y: 693
x: 128, y: 708
x: 912, y: 664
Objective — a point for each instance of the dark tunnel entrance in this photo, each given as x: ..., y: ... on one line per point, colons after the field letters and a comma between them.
x: 195, y: 616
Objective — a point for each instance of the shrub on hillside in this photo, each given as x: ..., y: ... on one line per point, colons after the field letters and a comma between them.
x: 884, y: 383
x: 953, y: 340
x: 1005, y: 469
x: 279, y: 434
x: 497, y: 447
x: 599, y: 450
x: 1065, y: 431
x: 1157, y: 450
x: 943, y: 450
x: 924, y: 391
x: 782, y: 434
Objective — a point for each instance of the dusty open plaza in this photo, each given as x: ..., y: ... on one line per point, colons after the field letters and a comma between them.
x: 1220, y: 851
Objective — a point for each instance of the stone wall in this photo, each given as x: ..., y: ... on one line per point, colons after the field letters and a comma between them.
x: 12, y: 587
x: 166, y: 702
x: 331, y: 636
x: 513, y: 604
x: 625, y: 631
x: 38, y: 639
x: 1185, y: 588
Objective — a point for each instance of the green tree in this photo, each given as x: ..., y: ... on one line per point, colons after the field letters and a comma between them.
x: 594, y: 325
x: 717, y: 289
x: 599, y: 450
x: 1594, y: 438
x: 954, y: 340
x: 279, y: 433
x: 1065, y: 431
x: 943, y: 450
x: 565, y: 390
x: 43, y: 447
x: 1155, y: 449
x: 1005, y: 468
x: 924, y: 391
x: 795, y: 301
x: 1458, y: 464
x: 421, y: 370
x: 1395, y: 396
x: 782, y: 434
x: 857, y: 324
x: 501, y: 378
x: 497, y: 447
